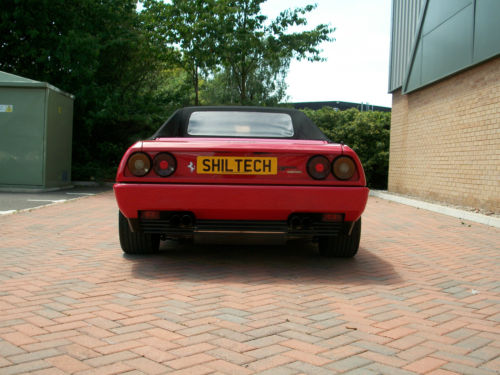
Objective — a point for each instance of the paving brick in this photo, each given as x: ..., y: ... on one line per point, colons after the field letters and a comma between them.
x: 307, y: 357
x: 473, y: 343
x: 158, y: 343
x: 269, y: 362
x: 146, y: 365
x: 49, y: 371
x: 191, y: 349
x: 467, y: 370
x: 194, y: 370
x: 425, y: 365
x: 25, y: 368
x: 349, y: 363
x: 485, y: 353
x: 493, y: 365
x: 189, y: 361
x: 78, y: 351
x: 303, y: 346
x: 8, y: 349
x: 230, y: 356
x: 266, y: 341
x: 266, y: 331
x: 442, y: 372
x: 384, y: 359
x: 18, y: 338
x: 87, y: 341
x: 228, y: 368
x: 281, y: 370
x: 233, y: 345
x: 4, y: 362
x: 307, y: 368
x: 197, y: 330
x: 397, y: 333
x: 388, y: 370
x: 46, y: 345
x: 110, y: 358
x: 29, y: 329
x: 197, y: 339
x: 116, y: 348
x: 125, y: 337
x: 153, y: 353
x: 457, y: 358
x: 406, y: 342
x: 374, y: 347
x: 342, y: 352
x: 398, y: 308
x: 95, y: 332
x: 112, y: 369
x: 416, y: 352
x: 67, y: 364
x: 33, y: 356
x: 266, y: 351
x: 300, y: 336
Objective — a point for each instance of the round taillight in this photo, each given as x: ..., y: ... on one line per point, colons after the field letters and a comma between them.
x: 318, y: 167
x: 164, y: 164
x: 343, y: 168
x: 139, y: 164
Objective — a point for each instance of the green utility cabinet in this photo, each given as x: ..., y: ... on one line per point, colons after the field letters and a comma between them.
x: 36, y: 128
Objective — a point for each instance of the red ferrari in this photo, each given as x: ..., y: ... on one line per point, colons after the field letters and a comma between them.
x: 245, y: 171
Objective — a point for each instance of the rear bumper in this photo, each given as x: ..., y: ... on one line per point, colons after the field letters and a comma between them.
x: 241, y: 202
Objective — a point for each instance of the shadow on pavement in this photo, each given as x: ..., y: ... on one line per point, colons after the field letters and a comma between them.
x: 295, y: 262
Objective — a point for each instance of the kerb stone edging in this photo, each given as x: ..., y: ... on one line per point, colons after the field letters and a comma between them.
x: 450, y: 211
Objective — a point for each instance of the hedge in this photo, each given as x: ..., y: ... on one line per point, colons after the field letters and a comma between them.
x: 365, y: 132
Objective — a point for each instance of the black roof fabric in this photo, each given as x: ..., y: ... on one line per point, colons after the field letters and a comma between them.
x: 303, y: 126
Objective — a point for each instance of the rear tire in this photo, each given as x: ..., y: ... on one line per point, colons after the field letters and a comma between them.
x: 343, y: 245
x: 136, y: 242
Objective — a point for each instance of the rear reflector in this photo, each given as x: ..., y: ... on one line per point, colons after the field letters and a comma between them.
x: 318, y: 167
x: 332, y: 217
x: 164, y: 164
x: 150, y: 215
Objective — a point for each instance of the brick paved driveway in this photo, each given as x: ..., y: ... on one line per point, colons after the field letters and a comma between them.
x: 421, y: 297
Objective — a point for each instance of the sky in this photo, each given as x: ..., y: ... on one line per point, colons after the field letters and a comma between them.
x: 357, y: 66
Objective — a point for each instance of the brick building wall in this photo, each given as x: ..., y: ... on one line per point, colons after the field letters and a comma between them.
x: 445, y: 139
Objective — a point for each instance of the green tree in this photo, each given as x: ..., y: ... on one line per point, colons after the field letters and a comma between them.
x: 250, y: 46
x: 232, y: 44
x: 265, y: 87
x: 191, y: 25
x: 100, y: 51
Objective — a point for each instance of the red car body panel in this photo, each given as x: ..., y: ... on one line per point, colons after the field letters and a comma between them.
x: 241, y: 202
x: 241, y: 197
x: 292, y: 155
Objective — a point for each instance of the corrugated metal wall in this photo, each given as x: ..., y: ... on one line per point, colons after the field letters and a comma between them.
x: 454, y: 36
x: 405, y: 18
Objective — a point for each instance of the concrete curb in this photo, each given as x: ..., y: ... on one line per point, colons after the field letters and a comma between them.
x: 12, y: 212
x: 92, y: 183
x: 453, y: 212
x: 13, y: 189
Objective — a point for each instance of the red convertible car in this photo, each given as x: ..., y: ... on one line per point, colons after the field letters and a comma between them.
x: 245, y: 171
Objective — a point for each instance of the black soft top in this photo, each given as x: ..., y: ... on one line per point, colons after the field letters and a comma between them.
x: 176, y: 125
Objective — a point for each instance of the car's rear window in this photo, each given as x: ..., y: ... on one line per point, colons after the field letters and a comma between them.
x: 240, y: 124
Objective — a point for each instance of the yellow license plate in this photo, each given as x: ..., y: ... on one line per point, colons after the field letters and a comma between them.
x: 236, y: 165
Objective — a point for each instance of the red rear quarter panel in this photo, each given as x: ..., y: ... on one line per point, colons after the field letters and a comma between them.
x: 241, y: 197
x: 292, y: 155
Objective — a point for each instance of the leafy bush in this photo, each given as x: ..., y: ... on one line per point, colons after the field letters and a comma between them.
x: 365, y: 132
